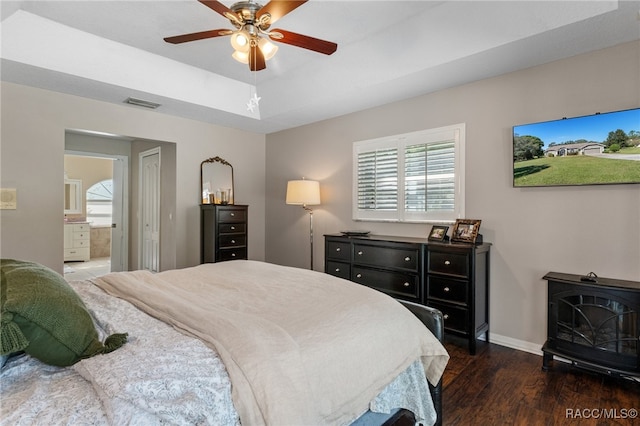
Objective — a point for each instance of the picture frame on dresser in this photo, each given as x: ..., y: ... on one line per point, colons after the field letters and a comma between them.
x: 438, y: 233
x: 465, y: 230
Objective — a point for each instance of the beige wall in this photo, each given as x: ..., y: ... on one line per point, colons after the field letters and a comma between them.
x: 32, y: 148
x: 90, y: 170
x: 533, y: 230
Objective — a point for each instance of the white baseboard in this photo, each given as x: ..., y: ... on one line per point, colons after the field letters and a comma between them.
x: 520, y: 345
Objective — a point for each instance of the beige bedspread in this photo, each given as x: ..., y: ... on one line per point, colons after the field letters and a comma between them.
x: 301, y: 347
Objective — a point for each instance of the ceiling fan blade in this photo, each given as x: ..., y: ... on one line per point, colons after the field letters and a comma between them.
x: 216, y: 6
x: 306, y: 42
x: 256, y: 59
x: 278, y: 8
x: 197, y: 36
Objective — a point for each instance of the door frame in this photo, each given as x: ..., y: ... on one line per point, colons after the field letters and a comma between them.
x: 120, y: 176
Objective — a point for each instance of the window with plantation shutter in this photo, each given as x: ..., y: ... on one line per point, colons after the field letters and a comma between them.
x: 378, y: 180
x: 415, y: 177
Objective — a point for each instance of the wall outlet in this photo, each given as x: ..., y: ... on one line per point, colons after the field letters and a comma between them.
x: 8, y: 199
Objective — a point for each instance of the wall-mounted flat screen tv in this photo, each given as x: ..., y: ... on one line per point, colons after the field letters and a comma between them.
x: 591, y: 150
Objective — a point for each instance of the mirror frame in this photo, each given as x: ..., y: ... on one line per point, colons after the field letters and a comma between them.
x: 224, y: 162
x: 75, y: 196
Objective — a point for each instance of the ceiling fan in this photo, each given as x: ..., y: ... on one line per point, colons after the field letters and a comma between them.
x: 252, y: 22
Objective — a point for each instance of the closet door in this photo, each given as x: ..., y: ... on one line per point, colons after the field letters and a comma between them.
x: 150, y: 209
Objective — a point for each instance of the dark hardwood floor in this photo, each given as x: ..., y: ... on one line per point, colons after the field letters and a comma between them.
x: 503, y: 386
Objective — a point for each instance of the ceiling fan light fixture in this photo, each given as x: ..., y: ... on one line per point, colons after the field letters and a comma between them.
x: 242, y: 57
x: 252, y: 21
x: 268, y: 49
x: 240, y: 41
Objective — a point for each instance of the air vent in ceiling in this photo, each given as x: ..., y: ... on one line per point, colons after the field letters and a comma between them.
x: 142, y: 103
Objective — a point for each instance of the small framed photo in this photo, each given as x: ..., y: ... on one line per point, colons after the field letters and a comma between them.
x: 465, y: 230
x: 438, y: 233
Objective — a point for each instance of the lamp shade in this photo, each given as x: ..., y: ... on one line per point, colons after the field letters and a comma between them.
x: 303, y: 192
x: 242, y: 57
x: 240, y: 41
x: 268, y: 49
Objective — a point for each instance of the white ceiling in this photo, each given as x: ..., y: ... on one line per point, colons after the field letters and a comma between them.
x: 387, y: 51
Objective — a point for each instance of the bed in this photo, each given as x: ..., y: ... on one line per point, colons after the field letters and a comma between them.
x: 231, y: 343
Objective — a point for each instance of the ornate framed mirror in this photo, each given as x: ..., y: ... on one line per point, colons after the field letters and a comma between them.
x: 216, y: 181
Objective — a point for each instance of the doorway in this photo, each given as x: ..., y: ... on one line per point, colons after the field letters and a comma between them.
x: 104, y: 207
x: 92, y: 143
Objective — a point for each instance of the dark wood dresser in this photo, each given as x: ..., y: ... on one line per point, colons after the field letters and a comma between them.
x: 457, y: 284
x: 452, y: 277
x: 223, y: 232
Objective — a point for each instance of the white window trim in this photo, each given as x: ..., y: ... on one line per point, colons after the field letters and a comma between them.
x: 455, y: 132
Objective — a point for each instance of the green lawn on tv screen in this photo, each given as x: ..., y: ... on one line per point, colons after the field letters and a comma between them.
x: 575, y: 170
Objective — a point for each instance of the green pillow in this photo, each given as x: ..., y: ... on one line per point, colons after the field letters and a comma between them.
x: 44, y: 317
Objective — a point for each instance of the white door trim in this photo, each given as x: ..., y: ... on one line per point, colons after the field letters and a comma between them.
x: 142, y: 197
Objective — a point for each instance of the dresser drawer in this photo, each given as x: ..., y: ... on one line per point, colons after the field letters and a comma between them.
x: 338, y: 250
x: 339, y: 269
x: 226, y: 241
x: 447, y: 289
x: 449, y: 263
x: 81, y: 243
x: 455, y: 318
x: 232, y: 228
x: 386, y: 257
x: 80, y: 227
x: 232, y: 254
x: 394, y: 283
x: 81, y: 253
x: 82, y: 235
x: 232, y: 215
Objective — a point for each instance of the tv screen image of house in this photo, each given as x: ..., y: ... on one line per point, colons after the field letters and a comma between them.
x: 590, y: 150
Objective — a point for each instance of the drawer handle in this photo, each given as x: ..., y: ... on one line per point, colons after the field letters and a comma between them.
x: 233, y: 228
x: 233, y: 255
x: 233, y: 241
x: 447, y: 289
x: 446, y: 262
x: 359, y: 276
x: 337, y: 269
x: 407, y: 259
x: 406, y: 284
x: 338, y: 249
x: 360, y: 253
x: 445, y: 316
x: 232, y: 215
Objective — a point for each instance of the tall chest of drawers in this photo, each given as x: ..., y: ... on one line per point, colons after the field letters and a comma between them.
x: 451, y: 277
x: 223, y: 232
x: 457, y: 283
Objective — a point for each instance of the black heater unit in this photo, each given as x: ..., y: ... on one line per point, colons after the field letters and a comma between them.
x: 594, y: 323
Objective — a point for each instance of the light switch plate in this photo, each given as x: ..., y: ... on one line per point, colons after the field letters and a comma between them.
x: 8, y: 199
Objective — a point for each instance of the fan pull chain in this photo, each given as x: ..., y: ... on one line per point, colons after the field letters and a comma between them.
x: 254, y: 100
